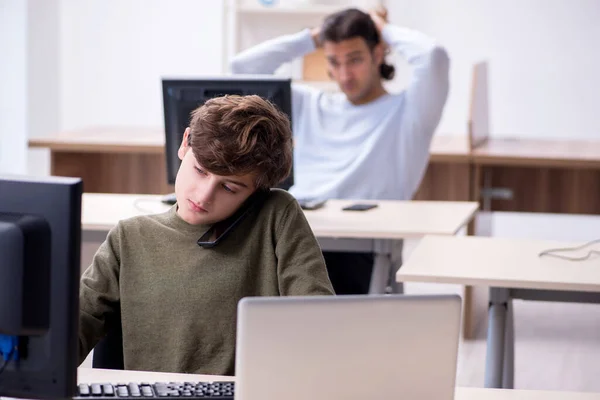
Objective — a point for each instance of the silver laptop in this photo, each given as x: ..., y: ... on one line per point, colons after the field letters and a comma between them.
x: 347, y: 347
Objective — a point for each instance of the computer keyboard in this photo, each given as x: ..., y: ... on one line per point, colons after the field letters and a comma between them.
x: 146, y: 390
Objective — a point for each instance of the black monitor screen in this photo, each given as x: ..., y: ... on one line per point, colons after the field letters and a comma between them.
x: 181, y: 97
x: 40, y: 242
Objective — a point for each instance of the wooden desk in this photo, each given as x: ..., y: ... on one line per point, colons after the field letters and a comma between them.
x: 132, y: 160
x: 110, y: 159
x: 448, y: 175
x: 552, y: 176
x: 390, y: 220
x: 377, y: 230
x: 538, y: 153
x: 89, y: 375
x: 549, y: 176
x: 512, y: 269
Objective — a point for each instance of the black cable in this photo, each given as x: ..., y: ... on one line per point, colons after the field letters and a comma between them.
x: 552, y: 252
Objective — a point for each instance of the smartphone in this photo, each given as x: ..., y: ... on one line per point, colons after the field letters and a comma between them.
x: 359, y: 207
x: 311, y: 204
x: 220, y: 230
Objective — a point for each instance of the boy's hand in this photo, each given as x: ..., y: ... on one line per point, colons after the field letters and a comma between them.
x: 316, y: 36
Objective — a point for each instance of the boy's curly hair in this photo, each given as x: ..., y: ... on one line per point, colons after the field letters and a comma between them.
x: 236, y: 135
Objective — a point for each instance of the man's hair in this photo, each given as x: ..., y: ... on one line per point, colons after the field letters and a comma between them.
x: 236, y: 135
x: 351, y: 23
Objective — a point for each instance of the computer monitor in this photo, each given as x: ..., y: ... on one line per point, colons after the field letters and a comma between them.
x: 40, y: 239
x: 182, y: 96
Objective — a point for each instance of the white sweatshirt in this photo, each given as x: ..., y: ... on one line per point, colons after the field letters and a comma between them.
x: 378, y: 150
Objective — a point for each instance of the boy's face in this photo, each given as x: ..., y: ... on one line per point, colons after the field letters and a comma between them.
x: 205, y: 198
x: 354, y: 66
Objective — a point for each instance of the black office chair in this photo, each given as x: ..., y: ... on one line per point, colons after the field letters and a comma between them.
x: 108, y: 353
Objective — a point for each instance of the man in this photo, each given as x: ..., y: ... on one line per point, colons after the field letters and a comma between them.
x: 362, y: 143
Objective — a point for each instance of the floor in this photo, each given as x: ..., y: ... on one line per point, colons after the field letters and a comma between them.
x: 557, y: 345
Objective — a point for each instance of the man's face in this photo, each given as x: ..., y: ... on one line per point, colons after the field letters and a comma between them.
x: 354, y: 66
x: 205, y: 198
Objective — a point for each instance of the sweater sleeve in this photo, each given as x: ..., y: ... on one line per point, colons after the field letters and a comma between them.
x: 99, y: 294
x: 267, y: 56
x: 424, y: 97
x: 300, y: 265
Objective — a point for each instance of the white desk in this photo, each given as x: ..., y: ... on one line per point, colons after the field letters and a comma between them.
x: 88, y: 375
x: 391, y: 220
x: 377, y: 230
x: 513, y: 270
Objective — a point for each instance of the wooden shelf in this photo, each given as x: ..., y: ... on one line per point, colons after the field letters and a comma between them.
x: 328, y: 86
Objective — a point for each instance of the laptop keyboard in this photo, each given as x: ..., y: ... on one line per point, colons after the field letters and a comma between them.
x: 147, y: 390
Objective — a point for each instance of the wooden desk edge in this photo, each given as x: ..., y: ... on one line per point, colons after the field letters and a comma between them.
x: 501, y: 283
x: 525, y: 161
x: 103, y: 228
x: 468, y: 219
x: 92, y: 375
x: 55, y: 146
x: 450, y: 158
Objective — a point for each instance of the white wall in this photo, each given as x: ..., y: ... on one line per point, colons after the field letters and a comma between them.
x: 113, y: 54
x: 99, y: 62
x: 544, y: 61
x: 43, y: 78
x: 13, y: 86
x: 75, y: 63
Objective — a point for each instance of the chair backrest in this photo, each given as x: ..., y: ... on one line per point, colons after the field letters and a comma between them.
x: 479, y: 117
x: 108, y: 353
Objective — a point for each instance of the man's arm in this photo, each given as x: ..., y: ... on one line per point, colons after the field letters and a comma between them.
x: 428, y: 89
x: 300, y: 264
x: 266, y: 57
x: 424, y: 98
x: 99, y: 295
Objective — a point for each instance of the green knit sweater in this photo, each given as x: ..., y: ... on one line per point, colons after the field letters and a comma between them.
x: 178, y: 301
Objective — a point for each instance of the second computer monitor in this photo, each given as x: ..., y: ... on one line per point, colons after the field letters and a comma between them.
x: 182, y: 96
x: 40, y: 240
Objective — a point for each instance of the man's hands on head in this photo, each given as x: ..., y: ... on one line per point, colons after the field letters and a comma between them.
x: 379, y: 15
x: 316, y: 36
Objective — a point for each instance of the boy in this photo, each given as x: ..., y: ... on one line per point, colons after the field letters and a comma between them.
x: 178, y: 300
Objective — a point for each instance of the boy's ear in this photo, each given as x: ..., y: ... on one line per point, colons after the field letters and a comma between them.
x: 183, y: 148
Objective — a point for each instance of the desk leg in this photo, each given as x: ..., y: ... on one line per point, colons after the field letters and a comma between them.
x: 381, y: 273
x: 494, y: 360
x: 388, y: 259
x: 394, y: 286
x: 508, y: 377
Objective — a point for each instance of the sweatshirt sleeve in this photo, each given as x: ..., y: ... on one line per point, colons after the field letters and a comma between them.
x: 99, y: 294
x: 424, y: 97
x: 267, y: 56
x: 300, y: 264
